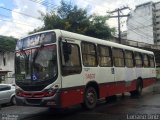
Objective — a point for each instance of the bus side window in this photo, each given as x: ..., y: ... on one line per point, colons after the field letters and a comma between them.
x: 104, y: 57
x: 71, y: 63
x: 145, y: 60
x: 151, y: 61
x: 118, y: 57
x: 138, y: 59
x: 129, y: 61
x: 89, y: 54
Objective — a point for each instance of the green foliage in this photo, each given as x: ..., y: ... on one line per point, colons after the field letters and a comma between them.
x: 74, y: 19
x: 7, y: 43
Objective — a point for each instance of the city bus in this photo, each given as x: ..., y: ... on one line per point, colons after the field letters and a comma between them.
x: 59, y: 69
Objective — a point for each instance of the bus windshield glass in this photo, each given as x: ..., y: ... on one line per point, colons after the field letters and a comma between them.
x: 36, y: 65
x: 36, y: 59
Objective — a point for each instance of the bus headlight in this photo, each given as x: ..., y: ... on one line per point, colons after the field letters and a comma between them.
x: 50, y: 92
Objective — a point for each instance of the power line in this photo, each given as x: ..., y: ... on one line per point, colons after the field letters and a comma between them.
x: 141, y: 33
x: 16, y: 22
x: 143, y: 26
x: 14, y: 19
x: 47, y: 4
x: 19, y: 13
x: 17, y: 31
x: 119, y: 16
x: 134, y: 28
x: 143, y: 17
x: 43, y: 2
x: 137, y: 28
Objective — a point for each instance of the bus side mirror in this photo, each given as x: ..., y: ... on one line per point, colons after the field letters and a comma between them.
x: 67, y: 49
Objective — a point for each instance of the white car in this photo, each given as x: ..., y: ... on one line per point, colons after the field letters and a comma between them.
x: 7, y: 94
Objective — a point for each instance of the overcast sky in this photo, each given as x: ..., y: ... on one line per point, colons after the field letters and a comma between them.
x: 14, y: 24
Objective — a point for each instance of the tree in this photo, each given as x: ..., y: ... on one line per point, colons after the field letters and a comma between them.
x: 7, y: 44
x: 74, y: 19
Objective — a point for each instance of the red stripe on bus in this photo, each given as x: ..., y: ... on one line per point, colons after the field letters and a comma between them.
x: 72, y: 97
x: 116, y: 88
x: 148, y: 81
x: 75, y: 96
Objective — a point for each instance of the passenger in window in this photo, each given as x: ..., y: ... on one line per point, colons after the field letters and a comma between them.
x: 69, y: 62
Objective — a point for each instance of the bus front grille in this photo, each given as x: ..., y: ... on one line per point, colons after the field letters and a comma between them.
x: 34, y: 101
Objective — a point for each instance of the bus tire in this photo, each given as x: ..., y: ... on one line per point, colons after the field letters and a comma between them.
x: 90, y: 98
x: 138, y: 90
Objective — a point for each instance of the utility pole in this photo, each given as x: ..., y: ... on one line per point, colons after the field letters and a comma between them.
x: 119, y: 16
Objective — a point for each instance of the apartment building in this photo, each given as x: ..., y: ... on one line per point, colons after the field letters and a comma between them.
x: 144, y: 23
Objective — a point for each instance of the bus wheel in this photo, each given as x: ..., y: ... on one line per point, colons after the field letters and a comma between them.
x: 90, y: 98
x: 138, y: 90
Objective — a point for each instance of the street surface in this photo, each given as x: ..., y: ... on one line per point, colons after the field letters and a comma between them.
x: 145, y: 107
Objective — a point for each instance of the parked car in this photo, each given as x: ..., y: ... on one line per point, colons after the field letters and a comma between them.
x: 7, y: 94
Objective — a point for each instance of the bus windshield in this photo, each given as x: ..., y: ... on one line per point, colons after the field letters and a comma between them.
x: 36, y: 65
x: 36, y: 61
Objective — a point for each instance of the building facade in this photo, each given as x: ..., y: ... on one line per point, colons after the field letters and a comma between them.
x: 7, y: 72
x: 144, y: 23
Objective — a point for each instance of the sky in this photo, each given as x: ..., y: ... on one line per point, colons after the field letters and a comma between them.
x: 18, y: 17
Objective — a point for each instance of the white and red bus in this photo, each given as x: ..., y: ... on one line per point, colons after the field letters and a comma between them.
x: 57, y: 68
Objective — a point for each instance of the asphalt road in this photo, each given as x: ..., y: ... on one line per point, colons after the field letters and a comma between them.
x: 145, y: 107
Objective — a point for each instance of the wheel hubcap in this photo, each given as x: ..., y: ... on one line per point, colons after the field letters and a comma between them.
x: 91, y: 97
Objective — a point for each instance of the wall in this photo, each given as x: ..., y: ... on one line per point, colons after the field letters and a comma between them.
x: 7, y: 65
x: 157, y: 12
x: 140, y: 24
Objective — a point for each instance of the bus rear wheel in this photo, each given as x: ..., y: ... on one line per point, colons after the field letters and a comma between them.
x: 138, y: 90
x: 90, y: 98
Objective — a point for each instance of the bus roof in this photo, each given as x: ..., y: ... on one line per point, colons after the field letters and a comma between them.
x: 76, y: 36
x: 80, y: 37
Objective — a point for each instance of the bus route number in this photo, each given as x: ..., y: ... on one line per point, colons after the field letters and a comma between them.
x: 90, y: 76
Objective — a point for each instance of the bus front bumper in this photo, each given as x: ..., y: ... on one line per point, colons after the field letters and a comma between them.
x: 53, y: 101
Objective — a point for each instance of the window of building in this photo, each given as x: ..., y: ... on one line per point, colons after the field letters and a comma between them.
x: 70, y: 59
x: 4, y: 60
x: 151, y: 61
x: 104, y: 56
x: 138, y: 59
x: 129, y: 59
x: 89, y: 54
x: 118, y: 57
x: 157, y: 22
x: 145, y: 60
x: 2, y: 78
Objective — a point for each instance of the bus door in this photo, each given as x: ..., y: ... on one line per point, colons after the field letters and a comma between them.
x: 72, y: 80
x: 105, y: 72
